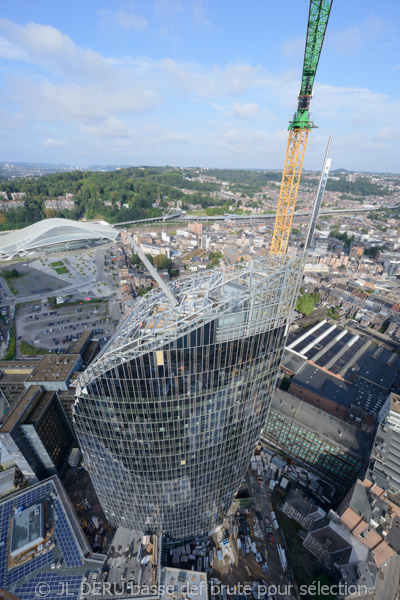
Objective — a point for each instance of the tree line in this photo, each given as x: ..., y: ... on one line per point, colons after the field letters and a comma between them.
x: 361, y: 187
x: 135, y: 189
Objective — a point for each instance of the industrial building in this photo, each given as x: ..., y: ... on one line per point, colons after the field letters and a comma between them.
x: 341, y: 371
x: 328, y: 446
x: 169, y: 413
x: 341, y: 387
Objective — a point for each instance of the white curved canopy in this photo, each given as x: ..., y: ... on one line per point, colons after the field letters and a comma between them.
x: 51, y: 232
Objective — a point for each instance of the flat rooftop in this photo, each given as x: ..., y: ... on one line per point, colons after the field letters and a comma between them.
x: 180, y: 583
x: 386, y: 454
x: 133, y: 560
x: 64, y: 543
x: 325, y: 425
x: 15, y: 365
x: 377, y: 371
x: 7, y: 480
x: 292, y: 361
x: 16, y: 371
x: 29, y: 395
x: 27, y: 529
x: 53, y: 367
x: 393, y: 537
x: 76, y: 347
x: 322, y: 382
x: 34, y: 415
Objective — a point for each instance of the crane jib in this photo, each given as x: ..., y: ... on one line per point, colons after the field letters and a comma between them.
x: 317, y: 22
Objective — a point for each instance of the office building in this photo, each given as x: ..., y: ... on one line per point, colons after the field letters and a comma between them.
x: 327, y: 445
x: 53, y: 372
x: 37, y: 434
x: 169, y: 413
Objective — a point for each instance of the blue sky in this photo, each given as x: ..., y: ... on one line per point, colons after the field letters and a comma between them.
x: 210, y: 81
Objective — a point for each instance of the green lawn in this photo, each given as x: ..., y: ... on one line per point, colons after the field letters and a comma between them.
x: 8, y: 275
x: 59, y: 263
x: 61, y: 270
x: 12, y: 288
x: 28, y: 349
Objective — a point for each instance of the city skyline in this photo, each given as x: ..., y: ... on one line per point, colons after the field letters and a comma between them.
x: 121, y: 84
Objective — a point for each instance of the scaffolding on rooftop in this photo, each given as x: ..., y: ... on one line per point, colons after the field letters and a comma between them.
x: 267, y: 286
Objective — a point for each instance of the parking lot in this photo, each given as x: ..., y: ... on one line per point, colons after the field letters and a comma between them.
x: 32, y: 281
x: 54, y: 328
x: 82, y: 268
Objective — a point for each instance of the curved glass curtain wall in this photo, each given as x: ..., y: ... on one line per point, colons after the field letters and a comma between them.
x: 167, y: 436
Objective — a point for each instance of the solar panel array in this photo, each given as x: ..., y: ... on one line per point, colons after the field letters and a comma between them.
x: 33, y: 496
x: 6, y: 511
x: 66, y: 539
x: 69, y: 547
x: 33, y: 565
x: 50, y: 586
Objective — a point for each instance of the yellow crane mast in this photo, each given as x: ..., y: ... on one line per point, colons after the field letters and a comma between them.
x: 300, y: 127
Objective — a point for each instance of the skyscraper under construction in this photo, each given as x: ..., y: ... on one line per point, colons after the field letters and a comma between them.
x: 170, y: 412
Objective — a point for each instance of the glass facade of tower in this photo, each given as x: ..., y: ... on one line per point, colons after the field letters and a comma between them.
x: 169, y: 414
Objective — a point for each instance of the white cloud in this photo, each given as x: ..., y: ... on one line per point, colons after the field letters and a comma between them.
x: 110, y: 127
x: 50, y: 143
x: 351, y: 40
x: 199, y: 13
x: 122, y: 19
x: 173, y: 137
x: 248, y: 110
x: 251, y: 141
x: 232, y: 79
x: 116, y: 99
x: 81, y: 103
x: 167, y: 7
x: 294, y: 46
x: 387, y: 134
x: 360, y: 107
x: 13, y: 121
x: 48, y: 48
